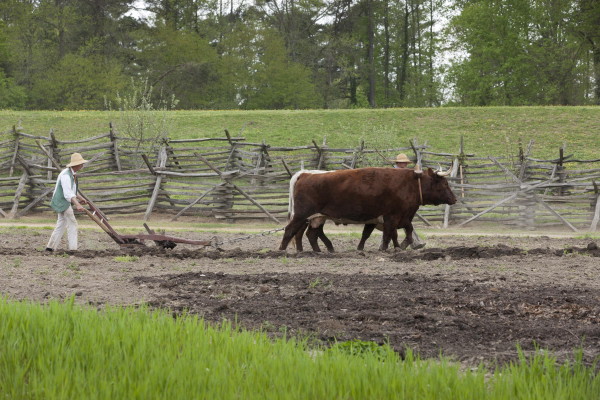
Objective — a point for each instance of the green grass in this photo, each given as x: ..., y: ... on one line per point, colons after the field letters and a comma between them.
x: 126, y: 258
x: 592, y: 236
x: 486, y: 130
x: 128, y: 224
x: 64, y: 351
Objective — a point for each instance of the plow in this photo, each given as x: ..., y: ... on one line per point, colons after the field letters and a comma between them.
x: 133, y: 241
x: 161, y: 240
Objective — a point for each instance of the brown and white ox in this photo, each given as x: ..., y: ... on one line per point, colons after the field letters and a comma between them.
x: 366, y: 196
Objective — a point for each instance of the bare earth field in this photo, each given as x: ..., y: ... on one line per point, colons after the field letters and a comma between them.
x: 472, y: 298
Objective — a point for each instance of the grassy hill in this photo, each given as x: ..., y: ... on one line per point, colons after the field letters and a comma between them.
x: 487, y: 131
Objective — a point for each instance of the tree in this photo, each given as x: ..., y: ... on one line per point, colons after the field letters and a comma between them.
x: 11, y: 95
x: 587, y: 28
x: 343, y: 70
x: 77, y: 83
x: 517, y: 53
x: 268, y: 79
x: 44, y: 36
x: 183, y: 64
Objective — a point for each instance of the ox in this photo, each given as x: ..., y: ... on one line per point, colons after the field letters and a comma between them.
x: 316, y: 222
x: 363, y: 196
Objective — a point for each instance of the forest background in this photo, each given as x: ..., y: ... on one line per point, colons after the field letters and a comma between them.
x: 297, y: 54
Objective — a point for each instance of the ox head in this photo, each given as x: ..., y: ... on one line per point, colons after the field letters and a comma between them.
x: 438, y: 191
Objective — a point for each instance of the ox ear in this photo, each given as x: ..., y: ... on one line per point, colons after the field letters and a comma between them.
x: 430, y: 172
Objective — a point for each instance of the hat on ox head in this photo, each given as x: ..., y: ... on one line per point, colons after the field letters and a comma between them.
x: 401, y: 158
x: 76, y: 159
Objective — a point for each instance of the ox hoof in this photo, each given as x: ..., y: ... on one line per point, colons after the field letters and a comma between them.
x: 418, y: 246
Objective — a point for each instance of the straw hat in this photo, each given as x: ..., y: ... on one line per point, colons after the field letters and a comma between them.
x: 76, y: 159
x: 401, y: 158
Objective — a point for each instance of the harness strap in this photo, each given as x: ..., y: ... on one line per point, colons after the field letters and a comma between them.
x: 420, y: 191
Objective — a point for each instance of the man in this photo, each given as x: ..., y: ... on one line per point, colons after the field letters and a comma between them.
x: 402, y: 161
x: 65, y: 196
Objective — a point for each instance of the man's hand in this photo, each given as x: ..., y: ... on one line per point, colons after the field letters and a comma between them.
x: 77, y: 204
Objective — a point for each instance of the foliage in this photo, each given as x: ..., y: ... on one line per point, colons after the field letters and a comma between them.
x: 182, y: 65
x: 11, y: 95
x: 363, y: 348
x: 77, y: 82
x: 64, y: 351
x: 277, y: 82
x: 289, y: 54
x: 126, y: 258
x: 141, y: 118
x: 518, y: 54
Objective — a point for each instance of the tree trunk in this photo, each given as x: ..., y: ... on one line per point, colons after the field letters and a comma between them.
x: 353, y: 87
x: 404, y: 61
x: 431, y: 95
x: 386, y: 52
x: 596, y: 53
x: 371, y: 53
x: 60, y: 26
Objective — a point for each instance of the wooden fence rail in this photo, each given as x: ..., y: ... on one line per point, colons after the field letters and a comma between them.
x: 229, y: 178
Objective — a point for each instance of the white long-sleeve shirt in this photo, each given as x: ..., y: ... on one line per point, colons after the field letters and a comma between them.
x: 65, y: 181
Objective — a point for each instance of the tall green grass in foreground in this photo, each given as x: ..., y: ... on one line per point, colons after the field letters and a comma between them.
x: 64, y: 351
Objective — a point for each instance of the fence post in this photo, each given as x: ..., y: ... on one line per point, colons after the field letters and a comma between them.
x: 321, y: 157
x: 232, y: 161
x: 561, y: 170
x: 358, y: 154
x: 15, y: 152
x: 526, y: 201
x: 262, y: 162
x: 115, y: 146
x: 56, y: 153
x: 223, y: 200
x: 447, y: 208
x: 162, y: 160
x: 595, y: 207
x: 22, y: 183
x: 524, y: 159
x: 265, y: 156
x: 462, y: 165
x: 419, y: 157
x: 527, y: 205
x: 49, y: 161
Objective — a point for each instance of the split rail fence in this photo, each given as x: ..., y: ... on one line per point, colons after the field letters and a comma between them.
x: 231, y: 179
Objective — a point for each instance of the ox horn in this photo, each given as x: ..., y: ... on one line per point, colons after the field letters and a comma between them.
x: 439, y: 172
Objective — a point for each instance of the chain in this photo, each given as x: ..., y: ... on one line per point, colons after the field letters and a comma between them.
x: 219, y: 242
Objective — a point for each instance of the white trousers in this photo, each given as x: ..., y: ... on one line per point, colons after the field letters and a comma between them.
x: 66, y: 220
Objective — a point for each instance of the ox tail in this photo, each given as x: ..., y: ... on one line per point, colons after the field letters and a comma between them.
x: 290, y: 214
x: 293, y: 180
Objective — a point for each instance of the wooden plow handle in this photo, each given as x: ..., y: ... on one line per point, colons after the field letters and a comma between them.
x: 104, y: 225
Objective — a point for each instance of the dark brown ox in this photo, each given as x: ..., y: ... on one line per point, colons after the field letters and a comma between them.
x: 364, y: 195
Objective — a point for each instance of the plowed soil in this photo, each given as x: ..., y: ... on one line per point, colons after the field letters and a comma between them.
x: 472, y: 298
